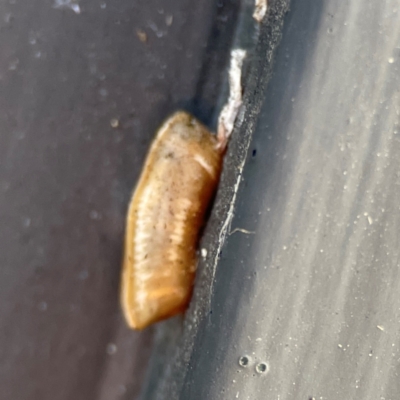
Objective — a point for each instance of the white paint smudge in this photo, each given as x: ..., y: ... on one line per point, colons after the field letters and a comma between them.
x: 260, y: 9
x: 230, y: 110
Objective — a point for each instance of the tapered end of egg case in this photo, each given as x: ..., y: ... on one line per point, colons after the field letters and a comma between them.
x: 185, y: 126
x: 164, y: 219
x: 157, y: 305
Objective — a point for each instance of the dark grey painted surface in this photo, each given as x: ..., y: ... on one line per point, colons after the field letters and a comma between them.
x: 66, y: 176
x: 314, y: 293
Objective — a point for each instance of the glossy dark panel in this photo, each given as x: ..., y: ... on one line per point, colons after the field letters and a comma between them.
x: 81, y: 95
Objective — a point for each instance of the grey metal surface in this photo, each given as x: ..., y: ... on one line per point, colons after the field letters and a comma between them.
x: 313, y: 289
x: 177, y: 344
x: 66, y: 176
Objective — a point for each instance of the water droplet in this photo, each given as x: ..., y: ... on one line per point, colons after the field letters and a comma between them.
x: 94, y: 214
x: 114, y: 123
x: 244, y: 361
x: 68, y: 4
x: 32, y: 38
x: 159, y: 33
x: 262, y: 368
x: 111, y: 348
x: 142, y: 35
x: 169, y: 19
